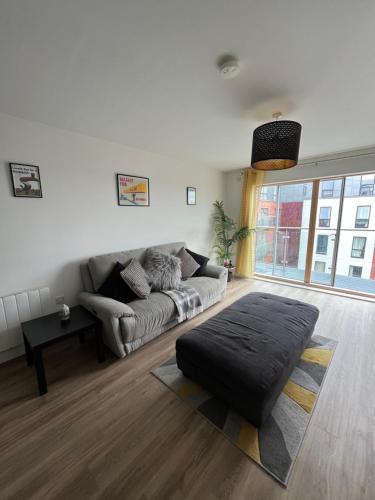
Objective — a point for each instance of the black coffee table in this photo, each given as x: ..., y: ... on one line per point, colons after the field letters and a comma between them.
x: 47, y: 330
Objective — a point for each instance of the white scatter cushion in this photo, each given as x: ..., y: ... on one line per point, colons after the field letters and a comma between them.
x: 163, y: 271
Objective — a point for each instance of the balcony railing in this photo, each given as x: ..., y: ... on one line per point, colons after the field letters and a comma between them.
x: 267, y: 220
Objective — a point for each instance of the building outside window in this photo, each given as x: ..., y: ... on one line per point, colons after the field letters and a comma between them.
x: 268, y: 193
x: 358, y: 247
x: 359, y: 185
x: 355, y: 271
x: 324, y: 216
x: 343, y: 234
x: 367, y: 185
x: 327, y: 189
x: 322, y: 244
x: 319, y: 266
x: 362, y: 217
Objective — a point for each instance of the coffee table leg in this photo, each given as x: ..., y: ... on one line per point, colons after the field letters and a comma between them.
x: 28, y: 352
x: 100, y: 351
x: 41, y: 376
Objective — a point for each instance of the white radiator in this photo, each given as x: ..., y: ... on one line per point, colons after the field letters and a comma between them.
x: 21, y: 307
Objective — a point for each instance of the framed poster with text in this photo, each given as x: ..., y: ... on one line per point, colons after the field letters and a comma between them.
x: 133, y: 191
x: 25, y: 180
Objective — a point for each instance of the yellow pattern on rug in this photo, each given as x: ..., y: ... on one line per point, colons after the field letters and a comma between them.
x: 248, y: 441
x: 187, y: 389
x: 300, y: 395
x: 320, y: 356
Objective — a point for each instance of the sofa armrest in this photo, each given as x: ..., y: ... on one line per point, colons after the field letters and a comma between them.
x: 110, y: 312
x: 218, y: 272
x: 104, y: 307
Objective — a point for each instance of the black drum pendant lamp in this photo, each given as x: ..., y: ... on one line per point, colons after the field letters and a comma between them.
x: 276, y: 145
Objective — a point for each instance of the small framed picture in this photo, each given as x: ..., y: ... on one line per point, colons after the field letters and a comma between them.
x: 191, y: 195
x: 25, y: 180
x: 133, y: 191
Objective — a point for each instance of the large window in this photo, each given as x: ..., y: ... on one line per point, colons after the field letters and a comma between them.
x: 322, y: 244
x: 324, y: 216
x: 358, y: 247
x: 342, y: 236
x: 362, y: 217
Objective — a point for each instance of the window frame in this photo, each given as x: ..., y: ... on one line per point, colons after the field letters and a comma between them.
x: 326, y: 236
x: 366, y: 184
x: 357, y: 219
x: 320, y: 262
x: 351, y: 275
x: 324, y: 191
x: 362, y: 250
x: 325, y: 219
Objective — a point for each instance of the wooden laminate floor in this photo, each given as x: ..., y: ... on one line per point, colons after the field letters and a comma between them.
x: 114, y: 431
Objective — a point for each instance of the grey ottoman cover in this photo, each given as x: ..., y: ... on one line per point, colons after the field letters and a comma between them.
x: 245, y: 354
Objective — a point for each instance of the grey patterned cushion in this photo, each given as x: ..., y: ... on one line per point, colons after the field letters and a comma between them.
x: 188, y: 264
x: 135, y: 277
x: 163, y: 271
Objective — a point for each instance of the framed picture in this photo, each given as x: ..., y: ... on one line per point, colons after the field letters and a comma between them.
x: 25, y: 180
x: 133, y: 191
x: 191, y: 195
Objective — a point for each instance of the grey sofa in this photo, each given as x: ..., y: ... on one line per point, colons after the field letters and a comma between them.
x: 127, y: 327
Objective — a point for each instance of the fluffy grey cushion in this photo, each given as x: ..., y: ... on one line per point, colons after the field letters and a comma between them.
x: 163, y: 271
x: 136, y: 279
x: 188, y: 264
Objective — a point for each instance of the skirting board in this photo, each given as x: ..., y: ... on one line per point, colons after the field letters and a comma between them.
x: 15, y: 352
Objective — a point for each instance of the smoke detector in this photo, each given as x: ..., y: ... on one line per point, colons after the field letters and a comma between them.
x: 228, y: 67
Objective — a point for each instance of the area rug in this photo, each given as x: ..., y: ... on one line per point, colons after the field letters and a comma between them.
x: 275, y: 445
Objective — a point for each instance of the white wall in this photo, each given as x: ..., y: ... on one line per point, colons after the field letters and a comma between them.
x: 44, y: 240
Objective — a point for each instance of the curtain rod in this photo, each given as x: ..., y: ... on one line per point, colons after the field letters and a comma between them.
x: 335, y: 158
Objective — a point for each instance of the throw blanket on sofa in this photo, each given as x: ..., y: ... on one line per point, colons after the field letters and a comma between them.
x: 187, y: 300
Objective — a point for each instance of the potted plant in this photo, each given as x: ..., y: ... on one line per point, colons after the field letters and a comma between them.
x: 226, y: 234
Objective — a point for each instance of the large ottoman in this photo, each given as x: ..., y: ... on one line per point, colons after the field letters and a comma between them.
x: 245, y: 354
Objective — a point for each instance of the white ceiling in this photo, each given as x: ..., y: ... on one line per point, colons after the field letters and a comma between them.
x: 142, y: 72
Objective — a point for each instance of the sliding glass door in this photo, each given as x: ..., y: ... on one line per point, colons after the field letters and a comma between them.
x: 338, y: 251
x: 282, y: 230
x: 355, y: 267
x: 325, y: 237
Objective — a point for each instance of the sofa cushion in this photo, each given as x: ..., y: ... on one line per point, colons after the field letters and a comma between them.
x: 159, y: 309
x: 100, y: 266
x: 151, y: 314
x: 163, y: 271
x: 188, y: 265
x: 209, y: 289
x: 201, y: 260
x: 115, y: 287
x: 135, y: 277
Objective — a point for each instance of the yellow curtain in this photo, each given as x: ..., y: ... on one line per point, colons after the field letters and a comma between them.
x: 246, y: 248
